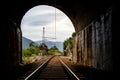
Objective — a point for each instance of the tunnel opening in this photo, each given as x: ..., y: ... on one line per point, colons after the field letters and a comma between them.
x: 91, y: 49
x: 45, y: 25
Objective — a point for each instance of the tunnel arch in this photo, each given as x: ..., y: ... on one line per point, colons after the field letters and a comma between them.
x: 82, y: 15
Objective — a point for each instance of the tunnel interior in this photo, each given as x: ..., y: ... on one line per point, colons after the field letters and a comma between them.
x: 92, y: 20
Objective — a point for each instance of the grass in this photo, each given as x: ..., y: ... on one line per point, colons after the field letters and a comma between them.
x: 30, y: 59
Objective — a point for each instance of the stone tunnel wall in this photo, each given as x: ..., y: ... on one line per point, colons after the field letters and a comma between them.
x: 13, y: 57
x: 95, y: 43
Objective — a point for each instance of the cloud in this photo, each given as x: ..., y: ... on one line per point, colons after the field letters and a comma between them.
x: 37, y: 20
x: 40, y: 9
x: 44, y: 16
x: 42, y: 19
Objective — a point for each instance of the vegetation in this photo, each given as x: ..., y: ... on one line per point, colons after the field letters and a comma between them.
x: 43, y: 49
x: 54, y: 51
x: 32, y: 50
x: 30, y: 54
x: 68, y: 44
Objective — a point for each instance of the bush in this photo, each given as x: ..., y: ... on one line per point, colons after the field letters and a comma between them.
x: 26, y: 53
x: 53, y: 50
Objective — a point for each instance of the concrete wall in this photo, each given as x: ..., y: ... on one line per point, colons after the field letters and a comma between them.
x: 95, y: 43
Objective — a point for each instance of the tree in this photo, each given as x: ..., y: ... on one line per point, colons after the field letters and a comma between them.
x: 68, y: 44
x: 73, y: 34
x: 43, y: 48
x: 53, y: 50
x: 32, y: 44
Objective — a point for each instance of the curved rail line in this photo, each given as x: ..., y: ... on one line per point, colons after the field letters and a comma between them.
x: 37, y: 72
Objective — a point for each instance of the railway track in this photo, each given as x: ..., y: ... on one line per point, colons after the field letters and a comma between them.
x: 52, y: 69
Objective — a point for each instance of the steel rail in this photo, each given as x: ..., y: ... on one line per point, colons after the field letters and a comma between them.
x: 30, y: 75
x: 69, y: 69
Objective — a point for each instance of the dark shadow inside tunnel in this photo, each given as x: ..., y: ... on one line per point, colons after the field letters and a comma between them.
x: 93, y: 23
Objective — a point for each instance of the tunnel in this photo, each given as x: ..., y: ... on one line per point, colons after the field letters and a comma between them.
x: 92, y: 20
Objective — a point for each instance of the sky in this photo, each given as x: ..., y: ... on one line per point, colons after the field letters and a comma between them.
x: 44, y: 16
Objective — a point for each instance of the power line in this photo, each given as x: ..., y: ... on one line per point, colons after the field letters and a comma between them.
x: 55, y: 22
x: 43, y: 37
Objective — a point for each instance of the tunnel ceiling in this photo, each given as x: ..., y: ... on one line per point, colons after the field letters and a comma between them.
x: 81, y: 12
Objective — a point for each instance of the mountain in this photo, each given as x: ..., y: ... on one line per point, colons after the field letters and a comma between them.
x: 50, y: 44
x: 26, y: 42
